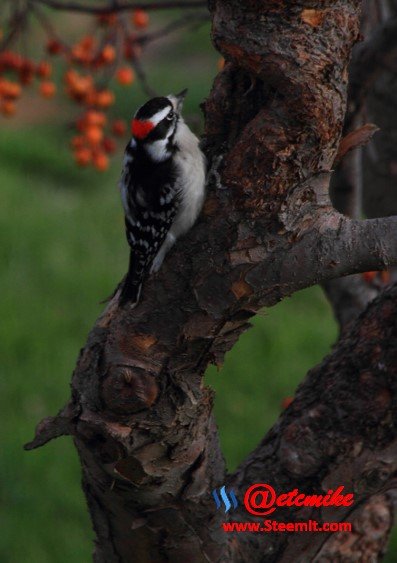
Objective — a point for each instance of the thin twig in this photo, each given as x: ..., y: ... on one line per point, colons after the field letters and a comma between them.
x: 16, y: 23
x: 44, y: 22
x: 141, y: 74
x: 369, y: 60
x: 196, y: 19
x: 115, y: 7
x: 143, y: 40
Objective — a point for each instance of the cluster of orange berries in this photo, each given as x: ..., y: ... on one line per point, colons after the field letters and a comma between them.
x: 17, y: 72
x: 87, y: 53
x: 92, y: 145
x: 81, y: 88
x: 95, y: 139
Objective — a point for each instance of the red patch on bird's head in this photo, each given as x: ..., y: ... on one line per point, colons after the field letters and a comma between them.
x: 141, y: 129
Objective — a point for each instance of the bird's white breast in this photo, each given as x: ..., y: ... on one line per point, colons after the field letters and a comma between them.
x: 190, y: 163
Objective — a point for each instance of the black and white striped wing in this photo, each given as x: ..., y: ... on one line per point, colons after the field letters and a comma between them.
x: 147, y: 228
x: 147, y: 222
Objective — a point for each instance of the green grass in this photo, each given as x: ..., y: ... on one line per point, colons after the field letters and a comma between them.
x: 63, y: 251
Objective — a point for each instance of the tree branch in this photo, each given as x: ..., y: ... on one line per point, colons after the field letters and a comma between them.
x: 370, y: 59
x: 193, y: 19
x: 348, y: 296
x: 360, y: 376
x: 116, y: 7
x: 355, y: 139
x: 380, y: 157
x: 372, y: 525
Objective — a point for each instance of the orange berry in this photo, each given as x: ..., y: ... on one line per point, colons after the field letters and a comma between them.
x: 78, y: 87
x: 108, y: 54
x: 109, y: 145
x: 221, y: 63
x: 87, y: 43
x: 78, y: 54
x: 101, y: 161
x: 82, y: 88
x: 83, y: 156
x: 54, y: 47
x: 10, y: 61
x: 8, y: 108
x: 125, y: 76
x: 140, y: 18
x: 94, y: 134
x: 104, y: 98
x: 48, y: 89
x: 10, y: 90
x: 44, y: 69
x: 82, y: 52
x: 93, y: 117
x: 119, y: 127
x: 72, y: 78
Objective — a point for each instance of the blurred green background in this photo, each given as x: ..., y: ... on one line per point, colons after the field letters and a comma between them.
x: 63, y: 251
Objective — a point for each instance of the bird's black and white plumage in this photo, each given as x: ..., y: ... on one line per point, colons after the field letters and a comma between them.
x: 162, y: 187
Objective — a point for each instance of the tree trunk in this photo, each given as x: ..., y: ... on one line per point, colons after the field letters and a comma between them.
x: 140, y: 414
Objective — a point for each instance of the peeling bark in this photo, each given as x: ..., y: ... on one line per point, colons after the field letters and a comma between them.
x: 140, y: 415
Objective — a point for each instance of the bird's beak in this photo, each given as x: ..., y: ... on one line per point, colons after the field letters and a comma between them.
x: 180, y: 98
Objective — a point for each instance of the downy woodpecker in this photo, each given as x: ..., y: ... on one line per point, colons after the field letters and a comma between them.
x: 162, y: 187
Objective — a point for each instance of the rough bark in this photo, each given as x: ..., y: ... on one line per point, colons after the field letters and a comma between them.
x: 140, y: 415
x: 324, y: 439
x: 353, y: 189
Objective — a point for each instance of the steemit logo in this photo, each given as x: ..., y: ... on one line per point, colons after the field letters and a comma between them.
x: 227, y: 498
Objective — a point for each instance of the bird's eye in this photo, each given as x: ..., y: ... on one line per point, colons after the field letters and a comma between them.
x: 170, y: 116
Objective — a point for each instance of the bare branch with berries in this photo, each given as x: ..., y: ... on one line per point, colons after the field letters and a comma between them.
x: 110, y: 53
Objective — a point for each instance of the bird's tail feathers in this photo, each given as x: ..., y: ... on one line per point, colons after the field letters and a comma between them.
x: 132, y: 284
x: 130, y: 293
